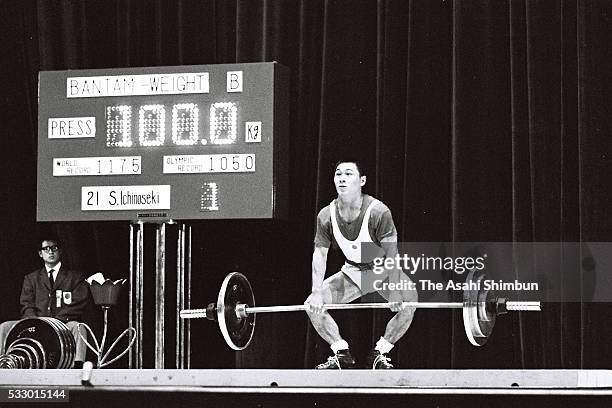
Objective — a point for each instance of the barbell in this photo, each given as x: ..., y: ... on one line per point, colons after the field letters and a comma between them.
x: 235, y: 309
x: 39, y: 342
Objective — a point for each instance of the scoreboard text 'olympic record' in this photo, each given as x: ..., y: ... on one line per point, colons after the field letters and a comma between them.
x: 160, y: 143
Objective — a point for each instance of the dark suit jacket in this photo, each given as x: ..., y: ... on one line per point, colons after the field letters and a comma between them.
x: 39, y: 299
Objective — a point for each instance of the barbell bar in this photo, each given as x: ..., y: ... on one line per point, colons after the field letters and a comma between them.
x: 242, y: 310
x: 235, y: 309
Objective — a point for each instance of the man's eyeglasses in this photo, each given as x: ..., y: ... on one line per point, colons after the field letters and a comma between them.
x: 50, y: 248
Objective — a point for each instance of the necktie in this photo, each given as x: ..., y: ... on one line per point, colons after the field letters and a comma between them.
x: 51, y: 280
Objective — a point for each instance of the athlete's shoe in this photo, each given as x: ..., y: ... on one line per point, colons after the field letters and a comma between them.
x: 378, y: 361
x: 339, y: 361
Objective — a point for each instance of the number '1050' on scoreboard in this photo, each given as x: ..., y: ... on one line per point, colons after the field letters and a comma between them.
x: 151, y: 143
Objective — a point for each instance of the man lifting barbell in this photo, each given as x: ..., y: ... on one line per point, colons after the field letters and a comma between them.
x: 352, y: 219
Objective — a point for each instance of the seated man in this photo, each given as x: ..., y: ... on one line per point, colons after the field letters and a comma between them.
x: 53, y: 291
x: 353, y: 219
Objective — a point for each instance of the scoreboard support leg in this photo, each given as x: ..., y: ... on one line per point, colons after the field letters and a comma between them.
x: 183, y: 298
x: 136, y: 292
x: 160, y: 293
x: 183, y: 287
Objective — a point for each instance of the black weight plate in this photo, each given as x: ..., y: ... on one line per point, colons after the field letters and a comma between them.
x: 69, y: 348
x: 37, y: 347
x: 44, y: 333
x: 69, y: 343
x: 25, y: 353
x: 53, y: 322
x: 478, y: 319
x: 237, y: 331
x: 8, y: 361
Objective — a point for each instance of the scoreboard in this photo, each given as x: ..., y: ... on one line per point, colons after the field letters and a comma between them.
x: 161, y: 143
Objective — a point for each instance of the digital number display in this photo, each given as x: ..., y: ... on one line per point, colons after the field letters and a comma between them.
x: 151, y: 125
x: 209, y: 197
x: 185, y: 124
x: 185, y: 118
x: 151, y: 143
x: 118, y: 126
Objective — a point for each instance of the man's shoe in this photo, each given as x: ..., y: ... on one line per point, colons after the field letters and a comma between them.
x: 340, y: 361
x: 378, y: 361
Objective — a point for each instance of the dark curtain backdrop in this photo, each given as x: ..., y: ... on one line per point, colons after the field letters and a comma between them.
x: 476, y: 120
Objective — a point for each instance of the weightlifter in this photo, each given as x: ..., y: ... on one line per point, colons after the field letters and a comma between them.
x: 348, y: 221
x: 53, y: 291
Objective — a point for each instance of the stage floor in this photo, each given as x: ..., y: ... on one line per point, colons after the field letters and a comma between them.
x: 513, y: 382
